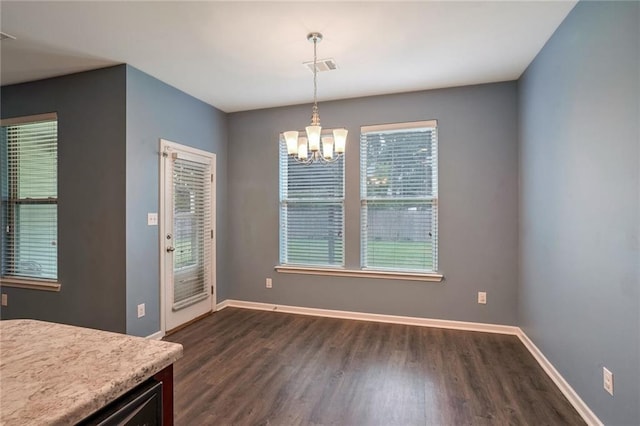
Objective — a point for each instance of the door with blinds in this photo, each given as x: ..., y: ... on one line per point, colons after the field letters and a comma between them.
x: 187, y: 233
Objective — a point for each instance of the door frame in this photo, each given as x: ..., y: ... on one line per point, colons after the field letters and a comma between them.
x: 164, y: 146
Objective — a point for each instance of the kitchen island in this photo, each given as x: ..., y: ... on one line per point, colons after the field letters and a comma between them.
x: 56, y: 374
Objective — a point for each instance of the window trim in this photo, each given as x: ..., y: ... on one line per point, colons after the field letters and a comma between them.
x: 28, y: 119
x: 29, y: 283
x: 398, y: 126
x: 32, y: 283
x: 361, y: 273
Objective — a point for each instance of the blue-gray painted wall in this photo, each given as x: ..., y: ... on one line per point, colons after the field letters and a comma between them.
x: 579, y: 292
x: 478, y: 184
x: 156, y: 110
x: 571, y: 224
x: 91, y: 198
x: 110, y: 122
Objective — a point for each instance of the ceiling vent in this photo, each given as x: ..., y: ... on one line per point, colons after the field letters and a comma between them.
x: 322, y: 65
x: 4, y: 36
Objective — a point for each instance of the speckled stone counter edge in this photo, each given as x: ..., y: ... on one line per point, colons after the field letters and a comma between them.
x: 56, y: 374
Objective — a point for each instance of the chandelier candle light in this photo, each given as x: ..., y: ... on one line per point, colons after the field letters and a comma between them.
x: 307, y: 149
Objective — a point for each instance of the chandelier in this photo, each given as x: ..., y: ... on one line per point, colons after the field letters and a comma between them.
x: 306, y: 150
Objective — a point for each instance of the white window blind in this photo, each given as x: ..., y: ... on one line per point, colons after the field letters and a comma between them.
x: 30, y: 197
x: 399, y: 196
x: 311, y: 212
x: 192, y: 231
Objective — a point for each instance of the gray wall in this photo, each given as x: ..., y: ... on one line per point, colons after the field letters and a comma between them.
x: 579, y: 204
x: 91, y: 200
x: 156, y: 110
x: 478, y: 206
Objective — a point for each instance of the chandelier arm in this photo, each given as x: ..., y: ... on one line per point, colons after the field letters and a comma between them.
x: 333, y: 160
x: 306, y: 162
x: 317, y: 158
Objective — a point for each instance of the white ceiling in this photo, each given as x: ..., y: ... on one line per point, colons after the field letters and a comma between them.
x: 248, y: 55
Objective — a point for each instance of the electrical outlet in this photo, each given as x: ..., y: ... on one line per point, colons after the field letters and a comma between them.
x: 269, y: 283
x: 152, y: 219
x: 607, y: 380
x: 5, y: 302
x: 482, y: 297
x: 141, y: 310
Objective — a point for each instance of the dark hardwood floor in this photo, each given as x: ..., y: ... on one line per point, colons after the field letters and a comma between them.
x: 248, y: 367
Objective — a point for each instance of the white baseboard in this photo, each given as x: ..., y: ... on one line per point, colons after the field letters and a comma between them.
x: 574, y: 399
x: 393, y: 319
x: 224, y: 304
x: 156, y: 336
x: 566, y: 389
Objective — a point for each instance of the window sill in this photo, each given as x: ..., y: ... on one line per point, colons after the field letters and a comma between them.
x: 360, y: 273
x: 32, y: 284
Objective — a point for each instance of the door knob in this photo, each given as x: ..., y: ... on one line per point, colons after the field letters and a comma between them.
x: 170, y: 249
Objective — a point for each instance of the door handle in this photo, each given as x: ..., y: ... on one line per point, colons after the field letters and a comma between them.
x: 170, y: 249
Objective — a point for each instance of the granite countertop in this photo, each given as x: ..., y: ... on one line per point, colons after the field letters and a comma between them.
x: 55, y: 374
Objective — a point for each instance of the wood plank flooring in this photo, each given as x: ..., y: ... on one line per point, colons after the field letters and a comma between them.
x: 246, y: 367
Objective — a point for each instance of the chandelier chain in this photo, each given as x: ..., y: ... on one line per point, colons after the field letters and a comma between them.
x: 315, y: 72
x: 315, y: 115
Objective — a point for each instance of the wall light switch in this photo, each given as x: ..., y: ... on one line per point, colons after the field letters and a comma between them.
x: 152, y: 219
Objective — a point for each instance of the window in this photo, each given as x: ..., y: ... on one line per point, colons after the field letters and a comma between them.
x: 188, y: 186
x: 399, y: 196
x: 29, y: 159
x: 311, y: 212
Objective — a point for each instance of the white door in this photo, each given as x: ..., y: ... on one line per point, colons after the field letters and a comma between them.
x: 187, y: 233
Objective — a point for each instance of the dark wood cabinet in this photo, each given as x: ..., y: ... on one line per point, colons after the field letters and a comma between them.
x: 148, y: 404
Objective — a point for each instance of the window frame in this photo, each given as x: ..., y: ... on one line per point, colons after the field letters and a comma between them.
x: 358, y: 272
x: 284, y: 201
x: 25, y: 281
x: 430, y: 200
